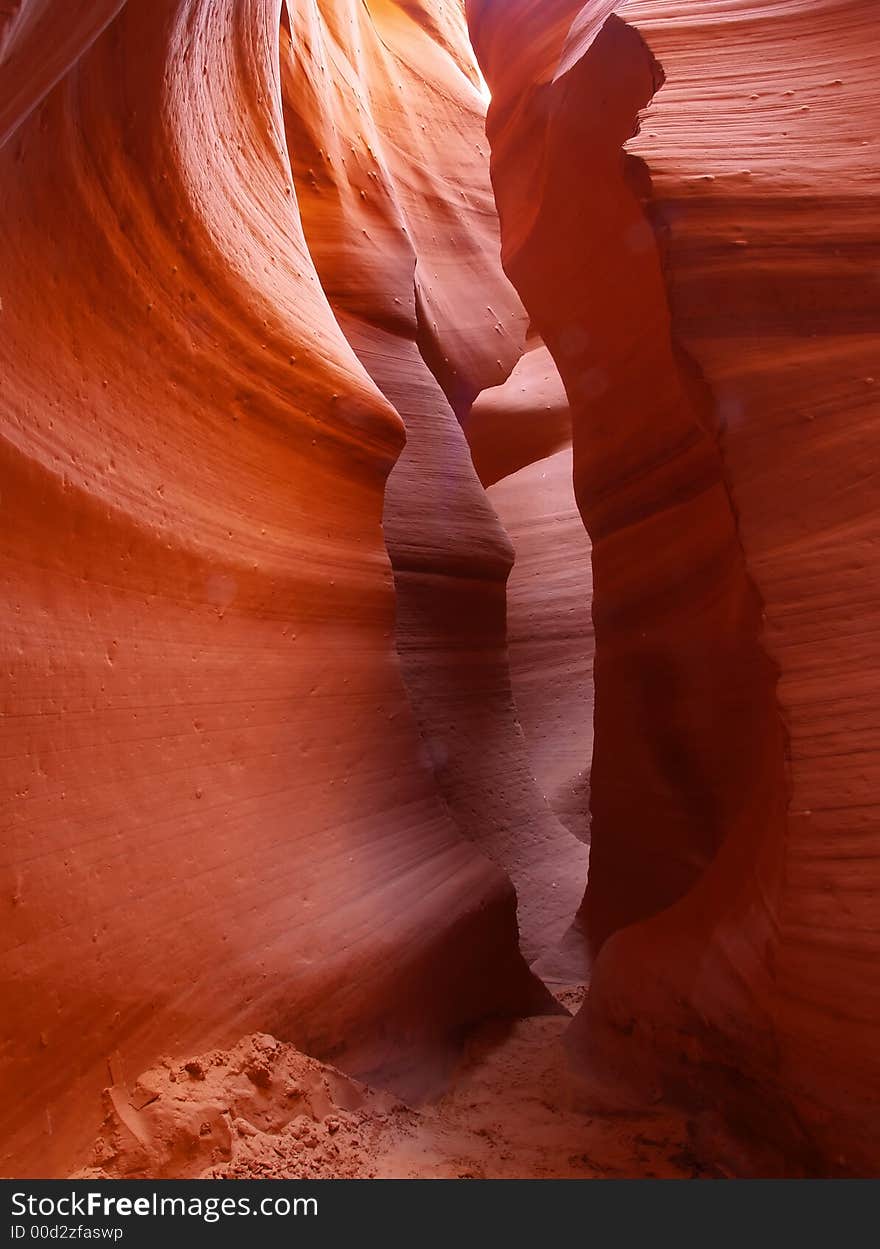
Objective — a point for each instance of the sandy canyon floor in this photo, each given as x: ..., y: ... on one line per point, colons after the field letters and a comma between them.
x: 264, y: 1110
x: 505, y: 1117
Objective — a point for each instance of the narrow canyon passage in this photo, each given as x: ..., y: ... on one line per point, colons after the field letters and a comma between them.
x: 438, y: 450
x: 550, y: 631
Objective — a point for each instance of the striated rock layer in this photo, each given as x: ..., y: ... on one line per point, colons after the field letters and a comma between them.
x: 719, y: 371
x: 771, y: 232
x: 550, y: 632
x: 217, y: 814
x: 398, y: 213
x: 281, y: 731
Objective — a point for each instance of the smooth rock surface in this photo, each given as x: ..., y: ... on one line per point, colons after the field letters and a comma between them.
x: 217, y: 813
x: 712, y: 307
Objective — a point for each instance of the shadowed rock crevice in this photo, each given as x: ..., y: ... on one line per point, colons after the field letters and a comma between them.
x: 431, y: 347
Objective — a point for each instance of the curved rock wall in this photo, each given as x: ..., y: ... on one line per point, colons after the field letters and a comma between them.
x: 216, y: 813
x: 723, y: 468
x: 39, y: 41
x: 769, y: 214
x: 522, y: 421
x: 255, y: 339
x: 679, y: 672
x: 398, y: 213
x: 550, y: 631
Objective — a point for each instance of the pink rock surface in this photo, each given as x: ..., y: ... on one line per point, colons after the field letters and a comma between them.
x: 217, y: 815
x: 550, y: 632
x: 523, y: 420
x: 712, y: 309
x: 337, y: 467
x: 399, y: 217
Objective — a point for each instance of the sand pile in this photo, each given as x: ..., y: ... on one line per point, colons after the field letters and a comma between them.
x: 260, y: 1109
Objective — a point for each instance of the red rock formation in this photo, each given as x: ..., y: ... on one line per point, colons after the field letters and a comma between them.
x: 216, y: 816
x: 549, y: 631
x: 266, y: 767
x: 523, y: 420
x: 39, y: 41
x: 728, y: 496
x: 398, y: 214
x: 519, y: 434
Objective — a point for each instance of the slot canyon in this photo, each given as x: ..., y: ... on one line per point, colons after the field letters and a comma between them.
x: 440, y: 629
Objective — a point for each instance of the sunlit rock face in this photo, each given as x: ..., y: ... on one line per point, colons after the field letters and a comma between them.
x: 390, y: 163
x: 519, y: 434
x: 218, y: 811
x: 713, y: 307
x: 549, y: 630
